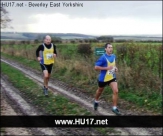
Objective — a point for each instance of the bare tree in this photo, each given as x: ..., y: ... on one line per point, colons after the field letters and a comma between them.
x: 5, y: 20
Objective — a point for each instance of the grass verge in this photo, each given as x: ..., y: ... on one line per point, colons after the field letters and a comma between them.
x: 54, y: 104
x: 152, y: 102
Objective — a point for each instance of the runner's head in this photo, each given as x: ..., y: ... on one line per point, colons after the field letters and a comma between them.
x: 47, y: 40
x: 108, y: 48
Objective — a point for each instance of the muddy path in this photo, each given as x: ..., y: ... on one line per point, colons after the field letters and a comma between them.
x: 12, y: 103
x: 7, y: 110
x: 75, y: 94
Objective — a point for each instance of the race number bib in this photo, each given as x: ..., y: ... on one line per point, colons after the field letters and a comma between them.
x: 111, y: 71
x: 49, y: 56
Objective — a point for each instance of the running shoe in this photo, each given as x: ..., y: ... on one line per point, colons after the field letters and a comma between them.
x: 45, y: 90
x: 95, y: 105
x: 116, y: 111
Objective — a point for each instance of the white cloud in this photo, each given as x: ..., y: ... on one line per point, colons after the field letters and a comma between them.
x: 95, y: 17
x: 60, y: 23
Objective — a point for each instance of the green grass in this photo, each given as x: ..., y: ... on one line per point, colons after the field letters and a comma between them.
x: 2, y: 131
x: 150, y: 101
x: 144, y: 101
x: 140, y: 61
x: 27, y: 62
x: 111, y: 130
x: 54, y: 104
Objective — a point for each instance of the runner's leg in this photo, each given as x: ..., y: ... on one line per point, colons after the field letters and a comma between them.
x: 98, y: 93
x: 45, y: 72
x: 49, y: 68
x: 114, y: 87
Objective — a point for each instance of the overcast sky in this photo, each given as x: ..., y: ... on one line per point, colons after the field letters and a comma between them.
x: 92, y: 17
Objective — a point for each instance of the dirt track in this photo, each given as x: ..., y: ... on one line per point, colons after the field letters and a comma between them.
x: 6, y: 109
x: 13, y: 103
x: 81, y: 98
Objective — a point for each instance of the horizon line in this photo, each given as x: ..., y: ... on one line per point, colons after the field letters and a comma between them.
x: 84, y: 33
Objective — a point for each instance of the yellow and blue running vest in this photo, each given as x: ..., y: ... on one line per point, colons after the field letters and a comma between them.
x: 105, y: 61
x: 47, y: 55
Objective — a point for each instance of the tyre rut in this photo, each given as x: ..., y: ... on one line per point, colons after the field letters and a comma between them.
x: 80, y: 98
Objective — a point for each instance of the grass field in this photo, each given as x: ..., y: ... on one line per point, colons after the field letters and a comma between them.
x: 139, y: 76
x: 54, y: 104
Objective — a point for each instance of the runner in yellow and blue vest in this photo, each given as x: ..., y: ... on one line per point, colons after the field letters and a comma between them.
x: 107, y: 66
x: 46, y: 54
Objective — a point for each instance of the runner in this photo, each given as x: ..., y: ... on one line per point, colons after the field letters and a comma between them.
x: 46, y: 54
x: 107, y: 66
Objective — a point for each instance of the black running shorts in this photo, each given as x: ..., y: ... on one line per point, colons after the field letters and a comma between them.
x: 103, y: 84
x: 47, y: 67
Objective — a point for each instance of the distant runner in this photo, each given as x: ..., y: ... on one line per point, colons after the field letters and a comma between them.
x: 46, y: 54
x: 107, y: 66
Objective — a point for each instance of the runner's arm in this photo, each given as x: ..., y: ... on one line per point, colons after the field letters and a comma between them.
x: 103, y: 68
x: 40, y: 48
x: 55, y: 51
x: 116, y: 69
